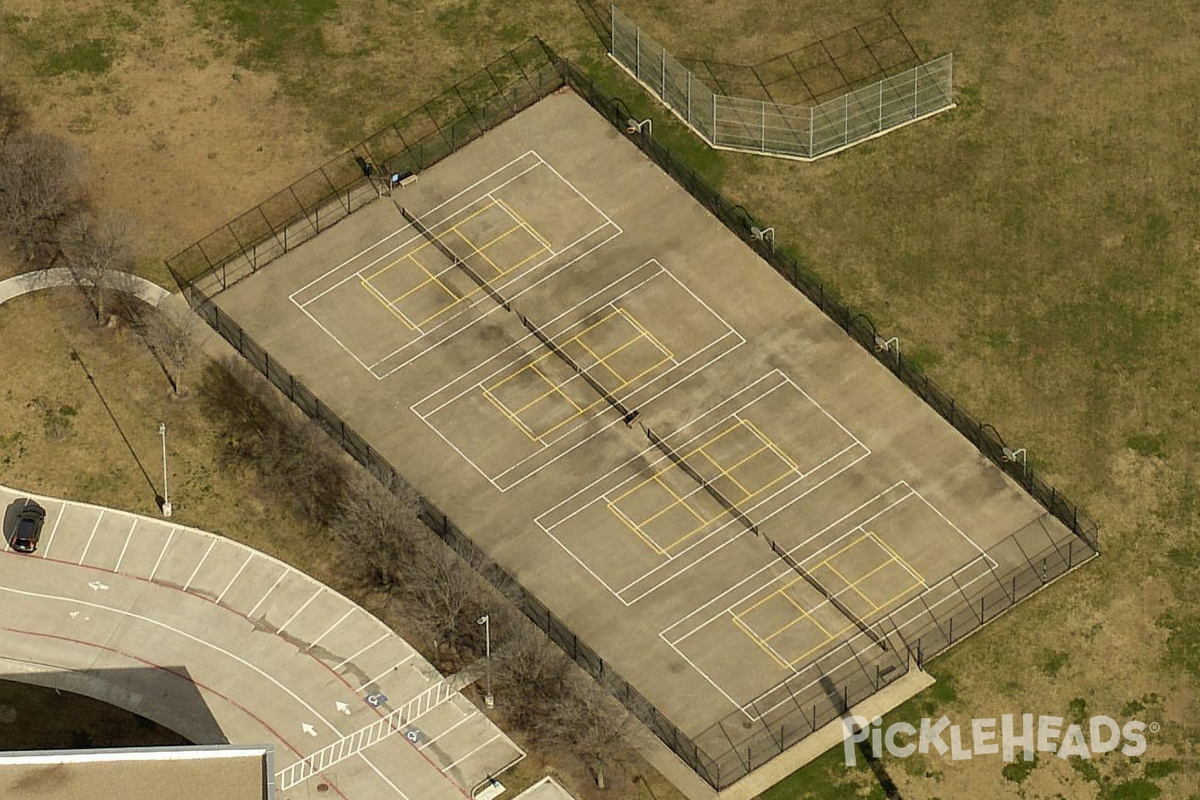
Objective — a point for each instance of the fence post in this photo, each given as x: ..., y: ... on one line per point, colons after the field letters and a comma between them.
x: 846, y: 120
x: 763, y: 129
x: 663, y: 61
x: 689, y: 97
x: 638, y: 48
x: 812, y: 117
x: 881, y: 105
x: 612, y: 29
x: 915, y: 75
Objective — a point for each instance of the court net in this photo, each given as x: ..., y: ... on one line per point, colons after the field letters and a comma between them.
x: 582, y: 372
x: 705, y: 484
x: 786, y: 557
x: 437, y: 242
x: 749, y: 524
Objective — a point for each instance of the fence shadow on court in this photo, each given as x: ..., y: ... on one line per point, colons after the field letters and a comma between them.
x: 745, y: 740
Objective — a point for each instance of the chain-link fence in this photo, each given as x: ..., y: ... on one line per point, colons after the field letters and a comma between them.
x: 340, y: 187
x: 826, y: 689
x: 766, y: 127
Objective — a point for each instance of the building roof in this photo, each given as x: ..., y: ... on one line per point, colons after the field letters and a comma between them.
x: 230, y: 772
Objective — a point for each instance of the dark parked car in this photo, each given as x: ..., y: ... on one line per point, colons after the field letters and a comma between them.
x: 28, y: 528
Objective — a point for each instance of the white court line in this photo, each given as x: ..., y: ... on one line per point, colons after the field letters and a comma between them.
x: 299, y: 610
x: 405, y: 226
x: 493, y: 308
x: 87, y: 546
x: 221, y: 596
x: 50, y: 539
x: 162, y: 553
x: 387, y: 671
x: 329, y: 630
x: 203, y: 558
x: 190, y: 637
x: 508, y: 364
x: 774, y: 578
x: 631, y: 398
x: 125, y: 546
x: 474, y: 713
x: 348, y: 659
x: 262, y: 599
x: 783, y: 381
x: 472, y: 752
x: 384, y: 777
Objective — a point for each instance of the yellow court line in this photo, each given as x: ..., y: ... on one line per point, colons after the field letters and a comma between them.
x: 761, y: 644
x: 896, y: 596
x: 725, y: 473
x: 854, y: 585
x: 521, y: 220
x: 553, y: 390
x: 769, y: 442
x: 599, y: 361
x: 480, y: 252
x: 907, y: 566
x: 794, y: 622
x: 645, y: 332
x: 512, y: 417
x: 679, y: 501
x: 557, y: 388
x: 598, y: 400
x: 436, y: 236
x: 636, y: 530
x: 384, y: 302
x: 673, y: 466
x: 432, y: 278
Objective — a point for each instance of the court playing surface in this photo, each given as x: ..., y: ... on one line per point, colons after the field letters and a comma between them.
x: 623, y: 405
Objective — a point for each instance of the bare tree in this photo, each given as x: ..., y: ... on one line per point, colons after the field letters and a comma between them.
x: 531, y: 670
x: 297, y: 459
x: 173, y: 334
x: 380, y: 527
x: 598, y: 727
x: 38, y: 192
x: 445, y: 588
x: 96, y: 252
x: 12, y: 115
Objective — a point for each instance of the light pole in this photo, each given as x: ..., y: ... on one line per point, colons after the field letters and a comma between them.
x: 166, y: 503
x: 486, y: 622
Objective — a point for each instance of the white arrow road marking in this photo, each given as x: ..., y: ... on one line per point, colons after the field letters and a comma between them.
x: 309, y: 729
x: 97, y: 586
x: 342, y: 707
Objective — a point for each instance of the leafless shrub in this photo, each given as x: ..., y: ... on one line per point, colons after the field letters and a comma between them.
x: 599, y: 729
x: 380, y: 528
x: 172, y: 331
x: 39, y: 186
x: 530, y: 671
x: 96, y: 251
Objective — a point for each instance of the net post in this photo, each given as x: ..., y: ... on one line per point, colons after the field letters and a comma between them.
x: 689, y: 97
x: 812, y: 117
x: 663, y: 82
x: 612, y: 28
x: 638, y: 51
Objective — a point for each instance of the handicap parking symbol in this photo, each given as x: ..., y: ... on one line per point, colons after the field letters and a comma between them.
x: 376, y: 700
x: 413, y: 735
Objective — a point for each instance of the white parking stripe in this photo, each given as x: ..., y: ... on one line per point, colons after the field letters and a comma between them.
x: 278, y: 581
x: 125, y: 546
x: 292, y: 618
x: 166, y: 544
x: 472, y: 715
x: 348, y: 659
x: 386, y: 671
x: 331, y: 627
x: 463, y: 758
x: 234, y: 578
x: 91, y: 536
x: 50, y: 538
x: 201, y: 564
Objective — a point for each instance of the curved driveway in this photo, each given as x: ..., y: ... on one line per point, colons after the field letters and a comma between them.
x: 146, y: 615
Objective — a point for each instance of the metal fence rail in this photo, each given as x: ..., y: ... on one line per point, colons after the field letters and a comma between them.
x: 766, y: 127
x: 824, y: 690
x: 338, y: 188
